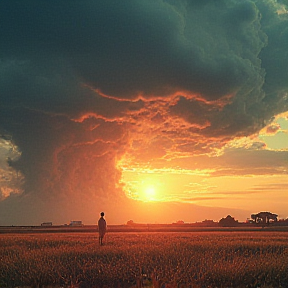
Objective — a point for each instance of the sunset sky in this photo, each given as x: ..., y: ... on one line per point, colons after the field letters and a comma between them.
x: 149, y: 110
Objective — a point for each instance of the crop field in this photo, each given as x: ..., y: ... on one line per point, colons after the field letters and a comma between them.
x: 200, y: 259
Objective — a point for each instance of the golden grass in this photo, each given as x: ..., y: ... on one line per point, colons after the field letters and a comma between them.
x: 207, y: 259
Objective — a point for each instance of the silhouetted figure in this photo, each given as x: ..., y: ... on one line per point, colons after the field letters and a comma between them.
x: 101, y: 228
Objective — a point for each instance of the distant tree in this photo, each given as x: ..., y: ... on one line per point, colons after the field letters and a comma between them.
x: 229, y: 221
x: 130, y: 222
x: 180, y: 222
x: 264, y: 217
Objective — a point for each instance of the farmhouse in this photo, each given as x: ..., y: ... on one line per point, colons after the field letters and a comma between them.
x: 46, y: 224
x: 76, y: 223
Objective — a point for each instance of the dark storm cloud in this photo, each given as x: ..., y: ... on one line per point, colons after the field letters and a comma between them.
x: 65, y: 152
x: 131, y: 48
x: 48, y: 85
x: 275, y: 57
x: 254, y: 38
x: 78, y: 80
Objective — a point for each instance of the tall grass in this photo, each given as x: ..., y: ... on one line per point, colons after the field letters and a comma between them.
x: 210, y: 259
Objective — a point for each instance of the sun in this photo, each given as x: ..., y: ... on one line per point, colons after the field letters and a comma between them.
x: 149, y: 193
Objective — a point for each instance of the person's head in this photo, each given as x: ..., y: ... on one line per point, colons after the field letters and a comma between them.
x: 102, y: 214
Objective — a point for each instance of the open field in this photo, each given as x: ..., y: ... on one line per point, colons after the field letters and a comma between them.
x: 179, y: 259
x: 138, y: 228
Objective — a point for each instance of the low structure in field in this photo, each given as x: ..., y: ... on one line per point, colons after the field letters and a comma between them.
x: 76, y: 223
x: 46, y: 224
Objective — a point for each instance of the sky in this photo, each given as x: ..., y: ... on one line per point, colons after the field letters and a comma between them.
x: 153, y: 111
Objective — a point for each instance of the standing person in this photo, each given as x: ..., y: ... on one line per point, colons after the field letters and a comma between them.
x: 101, y: 228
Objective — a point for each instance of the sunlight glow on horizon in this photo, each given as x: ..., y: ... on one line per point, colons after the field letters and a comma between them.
x: 159, y: 184
x: 213, y: 191
x: 247, y: 189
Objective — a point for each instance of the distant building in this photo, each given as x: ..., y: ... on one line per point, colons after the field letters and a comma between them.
x: 46, y: 224
x: 76, y: 223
